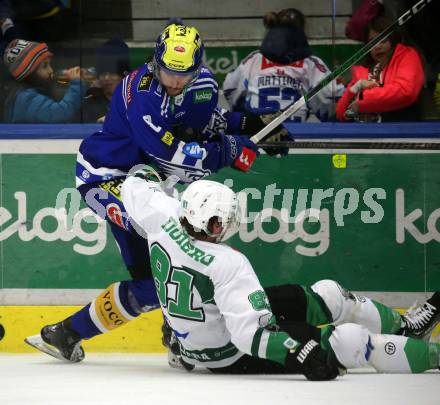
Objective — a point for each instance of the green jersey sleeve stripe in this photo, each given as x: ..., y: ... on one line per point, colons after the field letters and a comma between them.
x: 277, y: 346
x: 256, y: 342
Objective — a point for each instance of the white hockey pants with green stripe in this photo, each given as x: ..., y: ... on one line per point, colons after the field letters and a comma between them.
x: 364, y: 332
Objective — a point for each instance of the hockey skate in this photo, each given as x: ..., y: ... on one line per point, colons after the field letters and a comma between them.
x: 60, y: 341
x: 169, y: 340
x: 420, y: 321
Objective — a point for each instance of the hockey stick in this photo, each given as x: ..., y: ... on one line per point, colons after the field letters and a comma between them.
x: 352, y: 145
x: 339, y: 70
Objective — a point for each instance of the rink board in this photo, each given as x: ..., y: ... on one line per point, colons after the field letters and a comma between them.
x: 140, y: 335
x: 383, y: 237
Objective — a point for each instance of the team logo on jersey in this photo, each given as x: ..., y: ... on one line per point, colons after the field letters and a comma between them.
x: 145, y: 82
x: 178, y: 100
x: 179, y: 48
x: 194, y: 150
x: 202, y: 96
x: 168, y: 138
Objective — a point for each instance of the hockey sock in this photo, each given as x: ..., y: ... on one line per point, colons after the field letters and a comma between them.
x: 390, y: 319
x: 114, y: 307
x: 400, y: 354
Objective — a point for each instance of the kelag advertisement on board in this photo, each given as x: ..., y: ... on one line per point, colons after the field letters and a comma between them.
x: 369, y: 221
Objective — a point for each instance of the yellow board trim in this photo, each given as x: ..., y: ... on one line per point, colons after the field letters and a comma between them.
x: 141, y: 335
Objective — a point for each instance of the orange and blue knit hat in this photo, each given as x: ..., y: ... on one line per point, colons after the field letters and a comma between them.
x: 23, y: 57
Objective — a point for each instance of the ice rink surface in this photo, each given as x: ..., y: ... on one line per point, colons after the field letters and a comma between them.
x: 109, y: 379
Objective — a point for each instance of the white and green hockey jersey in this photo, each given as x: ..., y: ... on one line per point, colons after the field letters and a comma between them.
x: 209, y: 292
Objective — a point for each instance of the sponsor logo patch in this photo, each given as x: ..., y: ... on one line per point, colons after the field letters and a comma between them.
x: 113, y: 187
x: 145, y: 82
x: 114, y: 214
x: 168, y: 138
x: 202, y: 96
x: 390, y: 348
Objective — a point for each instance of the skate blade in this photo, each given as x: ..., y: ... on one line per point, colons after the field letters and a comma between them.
x: 38, y: 343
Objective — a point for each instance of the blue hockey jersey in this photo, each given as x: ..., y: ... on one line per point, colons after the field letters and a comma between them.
x: 140, y: 128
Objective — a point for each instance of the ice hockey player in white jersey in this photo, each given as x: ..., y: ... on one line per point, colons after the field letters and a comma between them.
x: 220, y: 314
x: 282, y: 71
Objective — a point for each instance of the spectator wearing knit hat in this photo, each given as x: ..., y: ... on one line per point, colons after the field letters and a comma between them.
x: 31, y: 98
x: 112, y: 65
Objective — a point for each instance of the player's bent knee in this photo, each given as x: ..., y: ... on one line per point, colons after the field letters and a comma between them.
x: 140, y: 295
x: 288, y: 302
x: 351, y: 344
x: 389, y: 355
x: 336, y: 298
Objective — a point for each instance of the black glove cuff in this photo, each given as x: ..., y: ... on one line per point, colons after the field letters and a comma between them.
x: 250, y: 124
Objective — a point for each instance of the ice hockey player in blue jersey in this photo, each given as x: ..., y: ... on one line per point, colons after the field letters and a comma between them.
x: 164, y: 113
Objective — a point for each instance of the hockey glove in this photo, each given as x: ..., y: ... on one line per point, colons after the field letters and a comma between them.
x: 250, y: 124
x: 238, y: 152
x: 150, y: 174
x: 314, y: 362
x: 145, y: 172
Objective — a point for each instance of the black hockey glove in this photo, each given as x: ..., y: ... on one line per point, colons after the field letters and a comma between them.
x: 250, y: 124
x: 314, y: 362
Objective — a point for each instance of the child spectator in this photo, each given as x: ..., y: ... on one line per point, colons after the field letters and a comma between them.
x: 282, y: 71
x: 387, y: 85
x: 112, y: 65
x: 31, y: 100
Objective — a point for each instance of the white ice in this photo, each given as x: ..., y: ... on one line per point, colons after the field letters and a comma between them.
x: 109, y: 379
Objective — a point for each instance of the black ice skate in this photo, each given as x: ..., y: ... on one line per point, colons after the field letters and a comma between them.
x: 170, y: 341
x: 420, y: 322
x: 60, y: 341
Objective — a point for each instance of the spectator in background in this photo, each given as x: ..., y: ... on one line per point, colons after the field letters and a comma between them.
x: 31, y: 100
x: 282, y: 71
x: 357, y: 24
x: 387, y: 85
x: 422, y: 31
x: 112, y: 65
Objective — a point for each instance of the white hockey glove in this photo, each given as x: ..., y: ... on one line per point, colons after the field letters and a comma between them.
x: 151, y: 175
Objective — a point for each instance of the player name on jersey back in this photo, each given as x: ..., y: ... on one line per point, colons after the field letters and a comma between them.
x: 183, y: 240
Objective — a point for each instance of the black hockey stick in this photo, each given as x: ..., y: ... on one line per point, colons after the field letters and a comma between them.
x: 339, y: 70
x: 352, y: 145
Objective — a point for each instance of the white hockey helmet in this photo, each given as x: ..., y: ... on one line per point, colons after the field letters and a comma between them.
x: 205, y: 199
